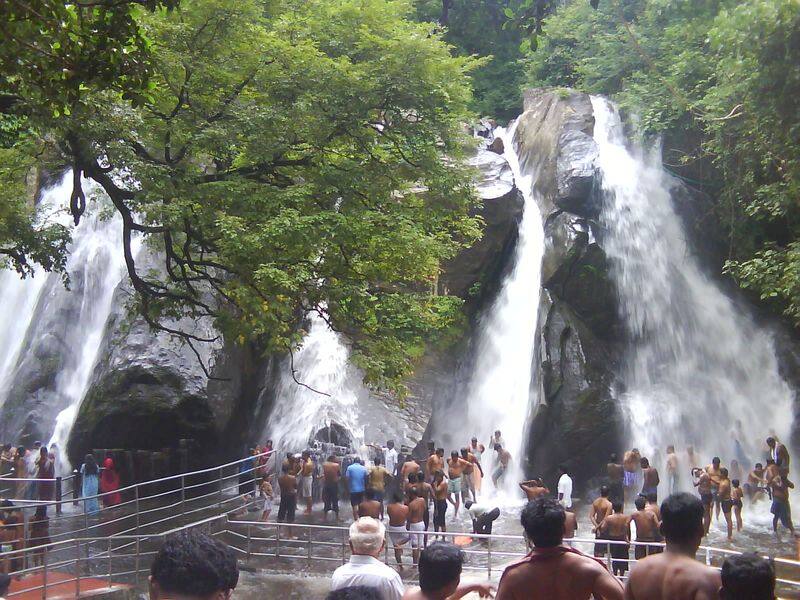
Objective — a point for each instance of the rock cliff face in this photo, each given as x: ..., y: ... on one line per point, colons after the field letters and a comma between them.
x: 576, y: 422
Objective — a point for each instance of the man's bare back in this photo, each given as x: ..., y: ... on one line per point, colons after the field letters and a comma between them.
x: 331, y: 472
x: 646, y: 525
x: 616, y: 526
x: 369, y: 508
x: 614, y: 471
x: 398, y: 514
x: 410, y: 466
x: 672, y: 576
x: 570, y: 524
x: 533, y: 490
x: 601, y: 508
x: 553, y: 574
x: 416, y: 510
x: 288, y: 484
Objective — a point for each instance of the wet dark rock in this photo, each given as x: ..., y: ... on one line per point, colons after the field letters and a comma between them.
x: 497, y: 146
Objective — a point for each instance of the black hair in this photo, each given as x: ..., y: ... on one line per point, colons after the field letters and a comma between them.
x: 397, y: 498
x: 440, y: 565
x: 681, y: 518
x: 355, y: 592
x: 747, y: 577
x: 5, y: 583
x: 90, y: 465
x: 604, y: 491
x: 454, y: 454
x: 759, y: 466
x: 498, y: 447
x: 735, y: 482
x: 543, y: 521
x: 617, y: 506
x: 715, y: 459
x: 723, y: 471
x: 644, y: 462
x: 412, y: 477
x: 640, y: 502
x: 438, y: 450
x: 194, y: 564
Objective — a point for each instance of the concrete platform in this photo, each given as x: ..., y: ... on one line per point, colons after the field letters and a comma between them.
x: 59, y: 587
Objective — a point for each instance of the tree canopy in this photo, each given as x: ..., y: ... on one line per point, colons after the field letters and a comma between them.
x: 283, y: 156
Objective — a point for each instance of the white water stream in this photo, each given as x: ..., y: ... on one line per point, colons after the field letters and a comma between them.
x: 501, y: 384
x: 699, y: 372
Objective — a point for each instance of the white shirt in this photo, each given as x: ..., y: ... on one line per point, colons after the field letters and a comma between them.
x: 390, y: 460
x: 565, y: 490
x: 477, y: 510
x: 369, y: 572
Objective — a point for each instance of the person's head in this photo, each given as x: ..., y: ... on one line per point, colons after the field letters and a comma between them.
x: 715, y: 461
x: 543, y: 522
x: 268, y: 445
x: 440, y: 568
x: 438, y: 476
x: 289, y: 456
x: 37, y: 445
x: 682, y: 520
x: 613, y: 457
x: 5, y: 583
x: 735, y: 483
x: 468, y: 504
x: 355, y: 592
x: 285, y: 469
x: 357, y: 461
x: 644, y: 463
x: 305, y: 455
x: 640, y: 502
x: 498, y: 447
x: 390, y: 444
x: 192, y: 565
x: 420, y: 477
x: 43, y: 452
x: 759, y: 466
x: 440, y: 452
x: 254, y: 451
x: 617, y: 506
x: 670, y: 449
x: 635, y: 450
x: 723, y: 472
x: 20, y: 450
x: 652, y: 498
x: 366, y: 536
x: 412, y: 478
x: 497, y: 433
x: 40, y: 514
x: 7, y: 447
x: 454, y: 454
x: 412, y: 494
x: 604, y: 491
x: 747, y: 577
x: 771, y: 442
x: 397, y: 498
x: 474, y: 441
x: 464, y: 452
x: 377, y: 461
x: 770, y: 461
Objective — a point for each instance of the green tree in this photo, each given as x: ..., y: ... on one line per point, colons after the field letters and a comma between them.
x: 283, y: 157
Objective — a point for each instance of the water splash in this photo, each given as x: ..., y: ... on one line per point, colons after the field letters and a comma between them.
x: 299, y: 413
x: 699, y: 373
x: 499, y: 392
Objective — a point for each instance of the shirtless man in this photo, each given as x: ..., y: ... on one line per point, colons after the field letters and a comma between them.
x: 503, y: 457
x: 552, y: 571
x: 331, y: 474
x: 439, y: 501
x: 434, y: 463
x: 652, y: 505
x: 646, y: 529
x: 369, y: 507
x: 410, y: 466
x: 725, y: 500
x: 672, y: 470
x: 473, y: 467
x: 631, y: 465
x: 288, y: 484
x: 650, y: 479
x: 416, y: 524
x: 497, y: 439
x: 570, y: 524
x: 455, y: 469
x: 702, y: 482
x: 781, y: 509
x: 617, y: 528
x: 754, y: 487
x: 675, y: 574
x: 424, y: 491
x: 534, y: 488
x: 305, y: 479
x: 713, y: 471
x: 770, y: 473
x: 601, y: 508
x: 398, y: 534
x: 615, y: 478
x: 780, y: 455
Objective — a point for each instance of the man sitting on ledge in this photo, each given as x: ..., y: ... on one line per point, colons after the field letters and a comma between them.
x: 551, y: 571
x: 367, y: 537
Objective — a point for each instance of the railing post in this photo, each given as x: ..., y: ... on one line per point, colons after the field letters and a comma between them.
x: 109, y: 562
x: 608, y: 557
x: 183, y: 495
x: 77, y: 568
x: 277, y: 540
x: 489, y: 558
x: 58, y: 495
x: 344, y: 546
x: 44, y: 573
x: 137, y: 562
x: 136, y: 509
x: 308, y: 545
x: 220, y: 488
x: 77, y: 484
x: 708, y: 556
x: 249, y: 541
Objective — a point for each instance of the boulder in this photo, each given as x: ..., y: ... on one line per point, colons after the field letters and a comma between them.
x: 497, y: 146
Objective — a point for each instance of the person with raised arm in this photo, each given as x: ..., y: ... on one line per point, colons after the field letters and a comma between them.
x: 440, y: 566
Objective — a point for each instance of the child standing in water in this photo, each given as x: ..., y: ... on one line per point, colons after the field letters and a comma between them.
x: 736, y: 498
x: 266, y: 495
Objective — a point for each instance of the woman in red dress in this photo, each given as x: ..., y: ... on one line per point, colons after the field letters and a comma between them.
x: 109, y: 482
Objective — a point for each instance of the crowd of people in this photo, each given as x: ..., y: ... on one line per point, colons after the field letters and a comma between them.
x: 193, y: 566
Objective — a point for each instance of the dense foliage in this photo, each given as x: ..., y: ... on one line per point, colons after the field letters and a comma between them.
x: 284, y: 156
x: 719, y: 79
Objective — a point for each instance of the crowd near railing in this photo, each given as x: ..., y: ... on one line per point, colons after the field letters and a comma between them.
x: 116, y: 544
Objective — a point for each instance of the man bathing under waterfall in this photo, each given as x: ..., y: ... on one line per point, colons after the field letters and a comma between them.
x: 503, y: 458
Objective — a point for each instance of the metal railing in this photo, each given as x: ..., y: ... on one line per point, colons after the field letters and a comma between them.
x: 490, y: 555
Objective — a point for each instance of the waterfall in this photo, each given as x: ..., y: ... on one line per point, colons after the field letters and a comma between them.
x: 699, y: 372
x: 96, y: 266
x: 299, y: 413
x: 498, y: 396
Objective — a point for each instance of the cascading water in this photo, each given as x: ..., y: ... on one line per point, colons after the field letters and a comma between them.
x: 96, y: 266
x: 299, y: 413
x: 700, y: 373
x: 499, y: 392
